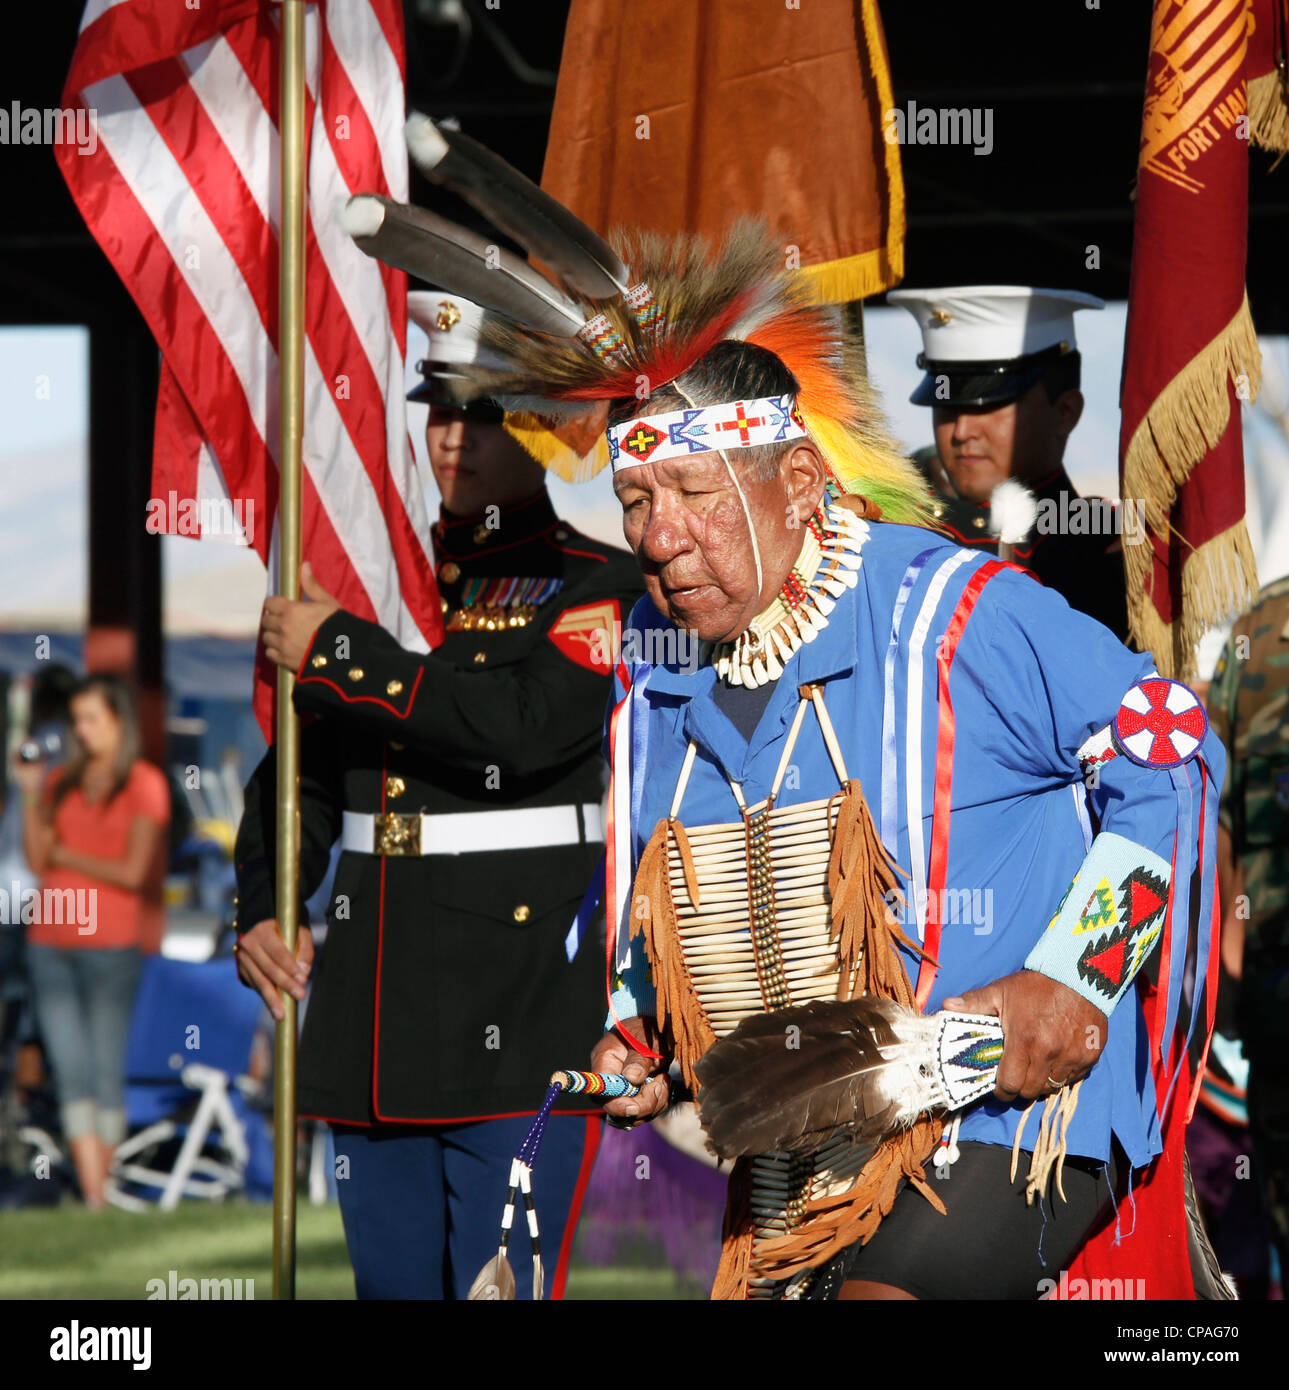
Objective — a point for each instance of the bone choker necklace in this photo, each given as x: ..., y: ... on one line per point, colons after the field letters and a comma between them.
x: 827, y: 566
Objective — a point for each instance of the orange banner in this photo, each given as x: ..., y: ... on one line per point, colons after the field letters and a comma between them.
x: 679, y: 116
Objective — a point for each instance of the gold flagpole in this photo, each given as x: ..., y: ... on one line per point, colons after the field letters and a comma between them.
x: 291, y: 362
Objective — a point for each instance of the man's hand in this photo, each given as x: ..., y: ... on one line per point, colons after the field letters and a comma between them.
x: 287, y: 625
x: 613, y: 1054
x: 265, y: 964
x: 1051, y: 1035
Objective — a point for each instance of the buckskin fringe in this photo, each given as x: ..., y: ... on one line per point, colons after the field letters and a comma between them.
x: 862, y: 878
x: 653, y: 914
x: 863, y: 883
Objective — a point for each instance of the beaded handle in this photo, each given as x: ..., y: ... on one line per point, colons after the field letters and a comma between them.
x: 610, y: 1085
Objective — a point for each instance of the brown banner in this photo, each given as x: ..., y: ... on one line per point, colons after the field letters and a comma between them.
x: 682, y: 116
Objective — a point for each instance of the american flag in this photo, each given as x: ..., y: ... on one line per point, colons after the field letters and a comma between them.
x: 181, y: 192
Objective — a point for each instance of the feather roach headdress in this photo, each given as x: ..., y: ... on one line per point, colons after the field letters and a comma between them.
x: 616, y: 322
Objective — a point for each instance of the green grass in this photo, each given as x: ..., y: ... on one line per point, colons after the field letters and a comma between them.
x: 69, y: 1252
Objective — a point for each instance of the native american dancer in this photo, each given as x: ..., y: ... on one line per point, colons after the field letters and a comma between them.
x: 888, y: 768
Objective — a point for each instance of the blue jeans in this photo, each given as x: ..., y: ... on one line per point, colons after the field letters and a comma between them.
x: 422, y: 1206
x: 84, y: 1000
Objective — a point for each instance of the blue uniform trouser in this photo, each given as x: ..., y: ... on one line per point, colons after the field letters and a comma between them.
x: 422, y: 1205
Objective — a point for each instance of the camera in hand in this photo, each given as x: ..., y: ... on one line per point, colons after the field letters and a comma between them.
x: 41, y: 747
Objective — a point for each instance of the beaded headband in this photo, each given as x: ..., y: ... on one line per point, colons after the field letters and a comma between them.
x: 702, y: 429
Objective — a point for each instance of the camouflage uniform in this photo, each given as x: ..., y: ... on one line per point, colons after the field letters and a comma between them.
x: 1249, y: 709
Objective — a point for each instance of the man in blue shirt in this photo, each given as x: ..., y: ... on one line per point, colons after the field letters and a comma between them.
x: 973, y: 706
x: 819, y: 687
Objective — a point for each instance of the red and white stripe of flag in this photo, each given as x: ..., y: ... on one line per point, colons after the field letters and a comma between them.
x: 181, y: 192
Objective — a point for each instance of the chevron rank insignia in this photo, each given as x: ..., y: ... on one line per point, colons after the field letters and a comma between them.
x: 590, y: 634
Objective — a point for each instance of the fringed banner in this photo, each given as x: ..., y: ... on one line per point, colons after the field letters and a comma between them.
x: 1191, y: 355
x: 1269, y: 75
x: 683, y: 117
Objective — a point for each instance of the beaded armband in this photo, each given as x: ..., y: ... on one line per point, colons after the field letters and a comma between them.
x: 1109, y: 921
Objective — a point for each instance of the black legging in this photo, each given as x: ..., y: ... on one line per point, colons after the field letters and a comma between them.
x: 991, y: 1243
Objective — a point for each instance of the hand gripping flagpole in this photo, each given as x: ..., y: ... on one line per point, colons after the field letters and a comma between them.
x: 291, y: 386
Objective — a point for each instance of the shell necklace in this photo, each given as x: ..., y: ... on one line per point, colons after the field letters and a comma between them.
x: 827, y: 566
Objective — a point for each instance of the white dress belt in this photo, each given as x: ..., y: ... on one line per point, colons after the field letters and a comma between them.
x: 466, y: 832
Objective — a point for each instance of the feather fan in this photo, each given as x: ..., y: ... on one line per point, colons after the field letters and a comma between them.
x: 793, y: 1079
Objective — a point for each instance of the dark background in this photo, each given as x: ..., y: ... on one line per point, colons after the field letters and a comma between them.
x: 1065, y: 83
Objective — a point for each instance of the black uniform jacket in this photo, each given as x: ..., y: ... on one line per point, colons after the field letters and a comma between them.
x: 1078, y: 554
x: 443, y: 991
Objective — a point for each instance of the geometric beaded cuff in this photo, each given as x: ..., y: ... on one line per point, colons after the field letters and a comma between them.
x: 1109, y: 921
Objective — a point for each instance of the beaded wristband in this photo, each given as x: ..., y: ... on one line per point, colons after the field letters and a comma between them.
x: 1109, y: 921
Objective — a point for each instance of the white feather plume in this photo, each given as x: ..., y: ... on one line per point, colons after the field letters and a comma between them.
x: 1013, y: 510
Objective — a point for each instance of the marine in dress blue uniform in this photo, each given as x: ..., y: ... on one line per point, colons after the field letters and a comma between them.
x: 990, y: 347
x: 465, y: 789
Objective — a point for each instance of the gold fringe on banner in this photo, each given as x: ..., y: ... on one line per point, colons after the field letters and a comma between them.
x: 1218, y: 579
x: 1269, y: 113
x: 855, y: 277
x: 1185, y: 422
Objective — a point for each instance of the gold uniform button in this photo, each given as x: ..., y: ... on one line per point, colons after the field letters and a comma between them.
x: 481, y: 533
x: 397, y: 747
x: 522, y: 912
x: 449, y: 572
x: 395, y: 786
x: 318, y: 662
x: 356, y: 673
x: 394, y: 688
x: 561, y: 534
x: 977, y: 522
x: 480, y: 658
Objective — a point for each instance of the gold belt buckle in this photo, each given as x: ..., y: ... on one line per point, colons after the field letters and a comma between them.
x: 396, y: 833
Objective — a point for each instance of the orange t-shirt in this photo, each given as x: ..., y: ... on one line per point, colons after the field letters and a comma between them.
x: 94, y: 913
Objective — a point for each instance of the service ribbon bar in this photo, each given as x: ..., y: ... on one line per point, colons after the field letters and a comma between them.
x: 679, y: 433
